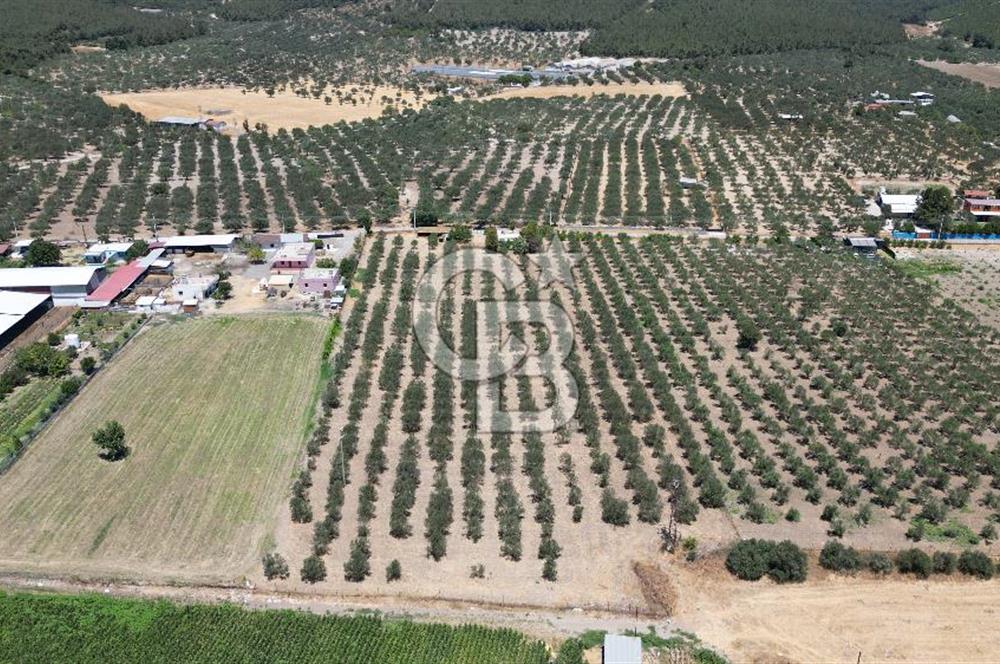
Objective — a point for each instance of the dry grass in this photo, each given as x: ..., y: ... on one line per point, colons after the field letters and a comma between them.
x: 987, y: 74
x: 835, y: 618
x: 285, y: 110
x: 215, y: 413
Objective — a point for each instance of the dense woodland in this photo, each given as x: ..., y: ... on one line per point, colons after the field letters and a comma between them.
x: 975, y: 21
x: 682, y: 28
x: 32, y: 30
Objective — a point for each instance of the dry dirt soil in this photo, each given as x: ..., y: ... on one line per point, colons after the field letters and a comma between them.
x: 987, y: 74
x: 833, y: 618
x: 285, y: 110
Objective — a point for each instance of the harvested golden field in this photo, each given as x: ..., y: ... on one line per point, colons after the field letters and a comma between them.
x: 987, y: 74
x: 283, y: 110
x: 286, y: 110
x: 215, y: 412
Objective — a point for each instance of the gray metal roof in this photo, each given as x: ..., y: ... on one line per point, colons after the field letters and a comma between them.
x: 622, y: 649
x: 863, y: 242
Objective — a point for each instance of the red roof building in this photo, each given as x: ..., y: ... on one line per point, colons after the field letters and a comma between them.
x: 975, y: 193
x: 112, y: 288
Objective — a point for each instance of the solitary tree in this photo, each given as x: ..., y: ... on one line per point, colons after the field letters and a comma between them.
x: 41, y: 253
x: 111, y: 440
x: 936, y: 205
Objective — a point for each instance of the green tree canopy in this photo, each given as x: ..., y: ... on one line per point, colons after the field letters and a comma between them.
x: 110, y: 438
x: 42, y: 253
x: 936, y: 204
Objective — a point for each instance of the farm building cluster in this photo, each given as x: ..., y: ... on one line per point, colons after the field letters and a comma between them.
x: 175, y: 275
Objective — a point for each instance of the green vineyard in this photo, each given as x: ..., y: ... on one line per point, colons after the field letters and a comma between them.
x: 49, y: 628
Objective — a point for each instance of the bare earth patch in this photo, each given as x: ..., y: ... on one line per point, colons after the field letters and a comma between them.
x: 285, y: 110
x: 916, y: 30
x: 985, y: 73
x: 832, y: 619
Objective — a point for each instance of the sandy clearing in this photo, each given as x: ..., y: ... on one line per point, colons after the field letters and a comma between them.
x: 832, y: 619
x: 667, y: 89
x: 985, y: 73
x: 285, y: 110
x: 916, y: 30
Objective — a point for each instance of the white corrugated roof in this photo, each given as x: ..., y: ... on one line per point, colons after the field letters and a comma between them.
x: 13, y: 303
x: 319, y: 273
x: 46, y: 277
x: 622, y: 649
x: 199, y: 240
x: 900, y: 199
x: 101, y: 247
x: 8, y: 321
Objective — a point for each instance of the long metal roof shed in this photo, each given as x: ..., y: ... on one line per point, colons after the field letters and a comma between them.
x: 13, y: 303
x: 46, y: 277
x: 181, y: 241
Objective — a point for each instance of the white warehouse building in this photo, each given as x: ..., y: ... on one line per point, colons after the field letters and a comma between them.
x: 68, y: 286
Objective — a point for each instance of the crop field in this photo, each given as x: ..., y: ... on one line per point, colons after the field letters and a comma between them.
x: 602, y: 160
x: 768, y: 391
x: 215, y: 412
x: 45, y: 628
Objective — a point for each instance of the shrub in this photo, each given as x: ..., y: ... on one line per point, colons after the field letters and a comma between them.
x: 914, y: 561
x: 839, y: 558
x: 357, y: 567
x: 313, y: 569
x: 613, y: 510
x: 787, y: 563
x: 749, y: 335
x: 879, y: 563
x: 793, y: 515
x: 747, y: 559
x: 275, y: 566
x: 394, y: 571
x: 571, y: 652
x: 976, y: 563
x: 944, y: 562
x: 87, y: 364
x: 301, y: 510
x: 783, y: 561
x: 549, y: 572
